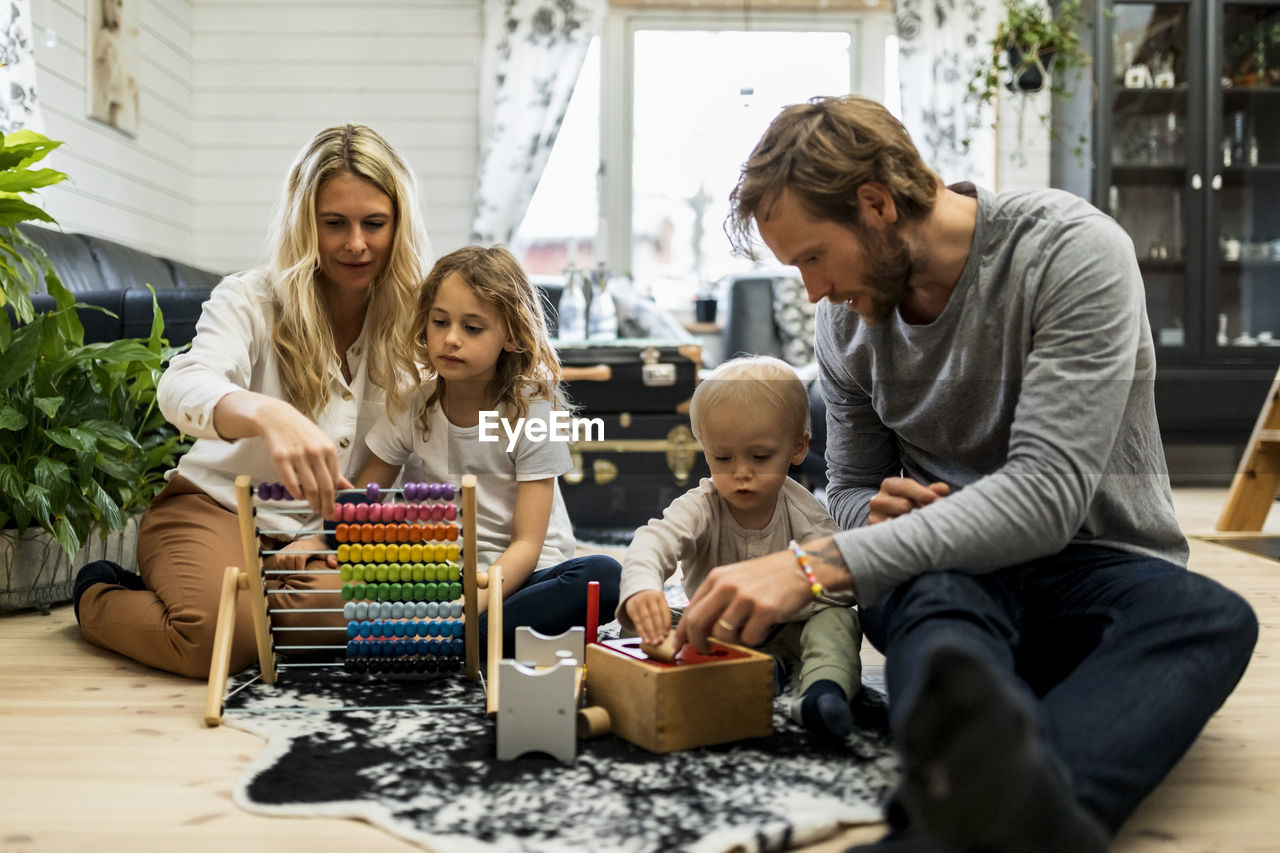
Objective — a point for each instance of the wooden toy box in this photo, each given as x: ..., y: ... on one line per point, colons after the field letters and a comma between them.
x: 665, y: 707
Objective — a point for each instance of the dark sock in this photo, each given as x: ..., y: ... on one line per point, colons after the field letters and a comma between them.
x: 126, y: 578
x: 903, y: 840
x: 974, y: 777
x: 99, y: 571
x: 824, y: 709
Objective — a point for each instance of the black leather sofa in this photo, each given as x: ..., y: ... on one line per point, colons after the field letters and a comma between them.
x: 110, y: 275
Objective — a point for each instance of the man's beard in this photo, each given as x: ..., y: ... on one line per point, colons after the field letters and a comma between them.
x: 889, y: 267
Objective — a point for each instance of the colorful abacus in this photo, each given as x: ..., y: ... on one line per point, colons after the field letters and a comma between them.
x: 409, y: 585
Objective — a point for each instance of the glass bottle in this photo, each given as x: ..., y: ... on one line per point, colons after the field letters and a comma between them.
x: 572, y: 310
x: 602, y: 321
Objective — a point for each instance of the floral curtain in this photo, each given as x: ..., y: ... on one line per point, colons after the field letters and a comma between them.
x: 17, y: 68
x: 532, y: 54
x: 941, y: 45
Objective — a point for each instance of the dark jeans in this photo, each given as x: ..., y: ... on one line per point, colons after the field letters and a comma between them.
x: 554, y: 600
x: 1119, y: 658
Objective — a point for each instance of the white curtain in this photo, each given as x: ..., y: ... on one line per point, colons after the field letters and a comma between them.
x: 533, y: 51
x: 941, y: 45
x: 17, y: 68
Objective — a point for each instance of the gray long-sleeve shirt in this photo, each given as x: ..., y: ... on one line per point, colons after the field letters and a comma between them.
x: 1031, y: 395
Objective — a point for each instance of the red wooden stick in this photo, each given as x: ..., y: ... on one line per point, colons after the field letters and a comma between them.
x: 593, y: 610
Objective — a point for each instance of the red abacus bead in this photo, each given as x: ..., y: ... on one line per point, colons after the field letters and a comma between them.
x: 362, y: 512
x: 348, y: 512
x: 452, y: 533
x: 337, y: 512
x: 451, y: 512
x: 340, y: 533
x: 375, y: 512
x: 411, y: 512
x: 437, y: 512
x: 398, y: 513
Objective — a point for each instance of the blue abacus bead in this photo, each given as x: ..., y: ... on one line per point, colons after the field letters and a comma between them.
x: 373, y: 492
x: 366, y: 629
x: 353, y: 649
x: 457, y: 629
x: 353, y: 630
x: 420, y: 627
x: 400, y: 627
x: 459, y: 647
x: 433, y: 629
x: 433, y: 647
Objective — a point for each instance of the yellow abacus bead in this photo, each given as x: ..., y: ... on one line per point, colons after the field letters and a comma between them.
x: 379, y: 553
x: 404, y: 553
x: 366, y: 553
x: 344, y: 553
x: 452, y: 553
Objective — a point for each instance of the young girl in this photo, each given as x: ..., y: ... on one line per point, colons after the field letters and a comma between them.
x: 482, y: 337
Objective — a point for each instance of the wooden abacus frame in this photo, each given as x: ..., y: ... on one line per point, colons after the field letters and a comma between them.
x: 252, y: 581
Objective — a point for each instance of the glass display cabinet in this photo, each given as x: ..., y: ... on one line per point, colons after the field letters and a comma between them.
x: 1186, y: 149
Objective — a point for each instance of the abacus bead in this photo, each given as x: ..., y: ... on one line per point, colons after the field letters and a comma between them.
x: 454, y: 572
x: 411, y: 512
x: 362, y: 610
x: 348, y: 512
x: 373, y: 492
x: 353, y: 629
x: 337, y: 512
x: 344, y: 572
x: 411, y: 491
x: 284, y: 493
x: 344, y: 552
x: 459, y: 647
x: 362, y: 512
x: 348, y: 592
x: 398, y: 513
x: 455, y: 591
x: 379, y: 553
x: 397, y: 611
x: 432, y: 665
x: 446, y: 491
x: 438, y: 532
x: 450, y: 512
x: 432, y: 609
x: 452, y: 533
x: 452, y: 553
x: 349, y: 611
x: 375, y: 512
x: 437, y: 512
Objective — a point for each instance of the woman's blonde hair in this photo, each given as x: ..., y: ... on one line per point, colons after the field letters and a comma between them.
x: 303, y: 334
x: 823, y: 151
x: 532, y: 370
x: 757, y: 382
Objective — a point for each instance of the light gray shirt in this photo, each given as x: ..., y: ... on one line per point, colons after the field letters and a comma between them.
x: 451, y: 451
x: 699, y: 532
x: 1031, y: 395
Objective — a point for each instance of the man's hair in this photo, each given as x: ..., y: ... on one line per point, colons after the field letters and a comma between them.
x: 761, y: 382
x: 823, y: 151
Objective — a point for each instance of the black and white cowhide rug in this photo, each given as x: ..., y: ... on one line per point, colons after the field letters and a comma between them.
x: 417, y: 759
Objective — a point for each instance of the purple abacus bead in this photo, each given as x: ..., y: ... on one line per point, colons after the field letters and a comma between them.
x: 267, y: 491
x: 433, y: 491
x: 348, y: 512
x: 373, y: 492
x: 411, y: 491
x: 284, y: 493
x: 450, y: 512
x: 446, y: 491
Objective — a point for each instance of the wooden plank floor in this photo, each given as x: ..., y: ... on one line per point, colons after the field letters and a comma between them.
x: 100, y: 754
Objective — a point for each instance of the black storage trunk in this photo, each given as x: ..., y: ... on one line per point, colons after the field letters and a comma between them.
x: 642, y: 462
x: 630, y: 377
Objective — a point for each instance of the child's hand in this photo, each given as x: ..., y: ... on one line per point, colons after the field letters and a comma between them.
x: 650, y: 614
x: 293, y: 557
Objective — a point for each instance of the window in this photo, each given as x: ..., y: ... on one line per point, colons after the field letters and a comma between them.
x: 678, y: 101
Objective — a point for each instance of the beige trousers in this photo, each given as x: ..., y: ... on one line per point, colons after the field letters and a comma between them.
x: 185, y: 543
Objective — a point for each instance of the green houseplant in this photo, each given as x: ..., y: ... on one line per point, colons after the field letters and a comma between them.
x: 83, y: 446
x: 1034, y: 48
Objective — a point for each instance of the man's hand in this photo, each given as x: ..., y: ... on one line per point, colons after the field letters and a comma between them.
x: 650, y: 614
x: 900, y: 495
x: 293, y: 557
x: 740, y: 602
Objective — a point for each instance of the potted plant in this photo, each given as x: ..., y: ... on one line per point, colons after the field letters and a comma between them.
x: 1033, y: 49
x: 83, y: 446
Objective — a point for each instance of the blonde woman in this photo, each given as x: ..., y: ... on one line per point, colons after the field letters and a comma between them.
x: 290, y: 366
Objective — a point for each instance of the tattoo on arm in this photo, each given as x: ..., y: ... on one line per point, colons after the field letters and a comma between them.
x: 828, y: 554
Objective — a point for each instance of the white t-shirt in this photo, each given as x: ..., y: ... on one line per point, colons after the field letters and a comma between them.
x: 452, y: 451
x: 232, y: 352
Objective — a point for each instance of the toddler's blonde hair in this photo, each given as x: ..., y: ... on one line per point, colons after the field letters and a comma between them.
x: 760, y: 382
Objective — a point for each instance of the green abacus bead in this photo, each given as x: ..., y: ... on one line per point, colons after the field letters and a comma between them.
x: 455, y: 591
x: 380, y: 572
x: 433, y: 592
x: 348, y: 592
x: 454, y: 572
x: 419, y: 573
x: 397, y: 592
x: 441, y: 571
x: 361, y: 591
x: 393, y: 573
x: 344, y: 572
x: 419, y: 591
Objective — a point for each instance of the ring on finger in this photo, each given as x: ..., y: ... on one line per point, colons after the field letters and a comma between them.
x: 725, y: 625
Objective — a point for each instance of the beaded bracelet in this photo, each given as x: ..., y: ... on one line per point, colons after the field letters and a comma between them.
x: 802, y: 562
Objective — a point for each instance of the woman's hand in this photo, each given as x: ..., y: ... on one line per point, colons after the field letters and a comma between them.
x: 293, y: 557
x: 900, y: 495
x: 740, y: 602
x: 650, y: 614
